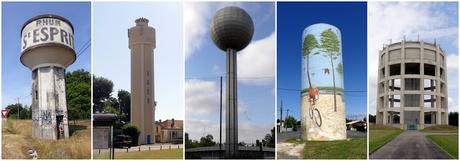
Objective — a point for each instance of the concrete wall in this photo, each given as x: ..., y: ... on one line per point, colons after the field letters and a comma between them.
x: 412, y: 78
x: 49, y: 107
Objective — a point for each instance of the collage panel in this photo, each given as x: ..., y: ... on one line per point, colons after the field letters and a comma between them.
x: 138, y: 80
x: 46, y: 80
x: 230, y: 80
x: 413, y: 80
x: 321, y: 77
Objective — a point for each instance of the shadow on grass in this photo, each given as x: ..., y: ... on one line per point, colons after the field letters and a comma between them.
x: 75, y: 128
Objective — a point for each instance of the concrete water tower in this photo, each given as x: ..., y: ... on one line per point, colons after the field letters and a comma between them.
x: 47, y: 48
x: 142, y: 43
x: 231, y: 30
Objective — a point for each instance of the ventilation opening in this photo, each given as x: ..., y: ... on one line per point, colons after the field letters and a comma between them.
x: 429, y: 101
x: 412, y: 100
x: 412, y: 84
x: 395, y: 69
x: 429, y: 85
x: 429, y: 69
x: 412, y: 68
x: 394, y: 101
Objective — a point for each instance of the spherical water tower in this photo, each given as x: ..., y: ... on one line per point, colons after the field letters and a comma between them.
x: 322, y: 104
x: 47, y: 48
x: 231, y: 30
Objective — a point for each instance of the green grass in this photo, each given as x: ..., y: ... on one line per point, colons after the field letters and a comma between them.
x: 379, y: 135
x: 347, y: 149
x: 441, y: 129
x: 447, y: 142
x: 156, y: 154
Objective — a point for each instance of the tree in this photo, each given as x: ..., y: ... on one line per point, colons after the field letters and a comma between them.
x: 371, y: 118
x: 24, y: 111
x: 133, y: 132
x: 309, y: 43
x: 453, y: 118
x: 291, y: 122
x: 207, y: 141
x: 331, y: 45
x: 270, y: 139
x: 102, y: 89
x: 188, y: 143
x: 78, y: 91
x: 124, y: 100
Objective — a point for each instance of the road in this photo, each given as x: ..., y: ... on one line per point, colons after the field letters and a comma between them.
x: 282, y: 137
x: 409, y: 145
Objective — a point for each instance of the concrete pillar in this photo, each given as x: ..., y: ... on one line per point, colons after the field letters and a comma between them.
x: 232, y: 104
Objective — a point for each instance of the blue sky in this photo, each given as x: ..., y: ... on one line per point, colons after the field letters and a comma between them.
x: 205, y: 63
x: 111, y: 58
x: 16, y: 78
x: 424, y: 20
x: 351, y: 20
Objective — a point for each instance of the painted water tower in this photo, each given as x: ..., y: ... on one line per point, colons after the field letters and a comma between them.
x: 47, y: 48
x: 322, y: 103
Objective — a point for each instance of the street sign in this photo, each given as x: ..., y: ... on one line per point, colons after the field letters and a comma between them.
x: 5, y: 113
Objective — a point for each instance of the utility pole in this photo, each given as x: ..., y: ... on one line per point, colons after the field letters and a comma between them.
x: 287, y: 115
x: 220, y: 129
x: 281, y: 110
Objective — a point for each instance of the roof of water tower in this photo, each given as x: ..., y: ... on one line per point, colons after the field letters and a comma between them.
x: 47, y: 16
x: 141, y: 21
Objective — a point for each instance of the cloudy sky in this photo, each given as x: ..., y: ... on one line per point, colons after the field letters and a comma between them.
x: 111, y: 58
x: 391, y: 21
x: 16, y: 78
x: 205, y: 63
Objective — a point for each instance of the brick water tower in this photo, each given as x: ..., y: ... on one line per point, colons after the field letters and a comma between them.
x: 47, y: 48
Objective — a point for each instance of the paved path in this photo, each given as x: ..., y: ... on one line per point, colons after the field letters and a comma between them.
x: 409, y: 145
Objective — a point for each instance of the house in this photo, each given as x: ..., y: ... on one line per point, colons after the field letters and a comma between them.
x: 169, y: 131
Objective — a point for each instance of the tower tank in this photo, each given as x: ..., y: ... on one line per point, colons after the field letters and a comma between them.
x: 47, y: 48
x: 322, y: 103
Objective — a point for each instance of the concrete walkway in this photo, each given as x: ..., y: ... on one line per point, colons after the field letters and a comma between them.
x: 409, y: 145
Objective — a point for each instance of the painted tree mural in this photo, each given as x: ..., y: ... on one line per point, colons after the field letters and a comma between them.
x: 309, y: 43
x: 330, y: 44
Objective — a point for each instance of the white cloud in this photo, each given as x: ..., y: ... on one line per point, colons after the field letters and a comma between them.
x: 196, y: 16
x: 256, y: 63
x: 201, y: 97
x: 392, y: 21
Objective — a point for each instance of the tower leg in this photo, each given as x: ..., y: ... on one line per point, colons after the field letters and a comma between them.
x: 232, y: 106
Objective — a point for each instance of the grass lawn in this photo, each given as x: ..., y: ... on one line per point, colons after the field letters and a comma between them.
x: 17, y: 140
x: 348, y: 149
x: 445, y: 137
x: 441, y: 129
x: 156, y: 154
x: 379, y: 135
x: 447, y: 142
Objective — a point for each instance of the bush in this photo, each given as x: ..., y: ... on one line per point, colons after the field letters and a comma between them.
x: 133, y: 132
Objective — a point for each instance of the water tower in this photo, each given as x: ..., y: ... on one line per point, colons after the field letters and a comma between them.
x: 322, y: 104
x: 231, y: 30
x: 142, y: 43
x: 47, y: 48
